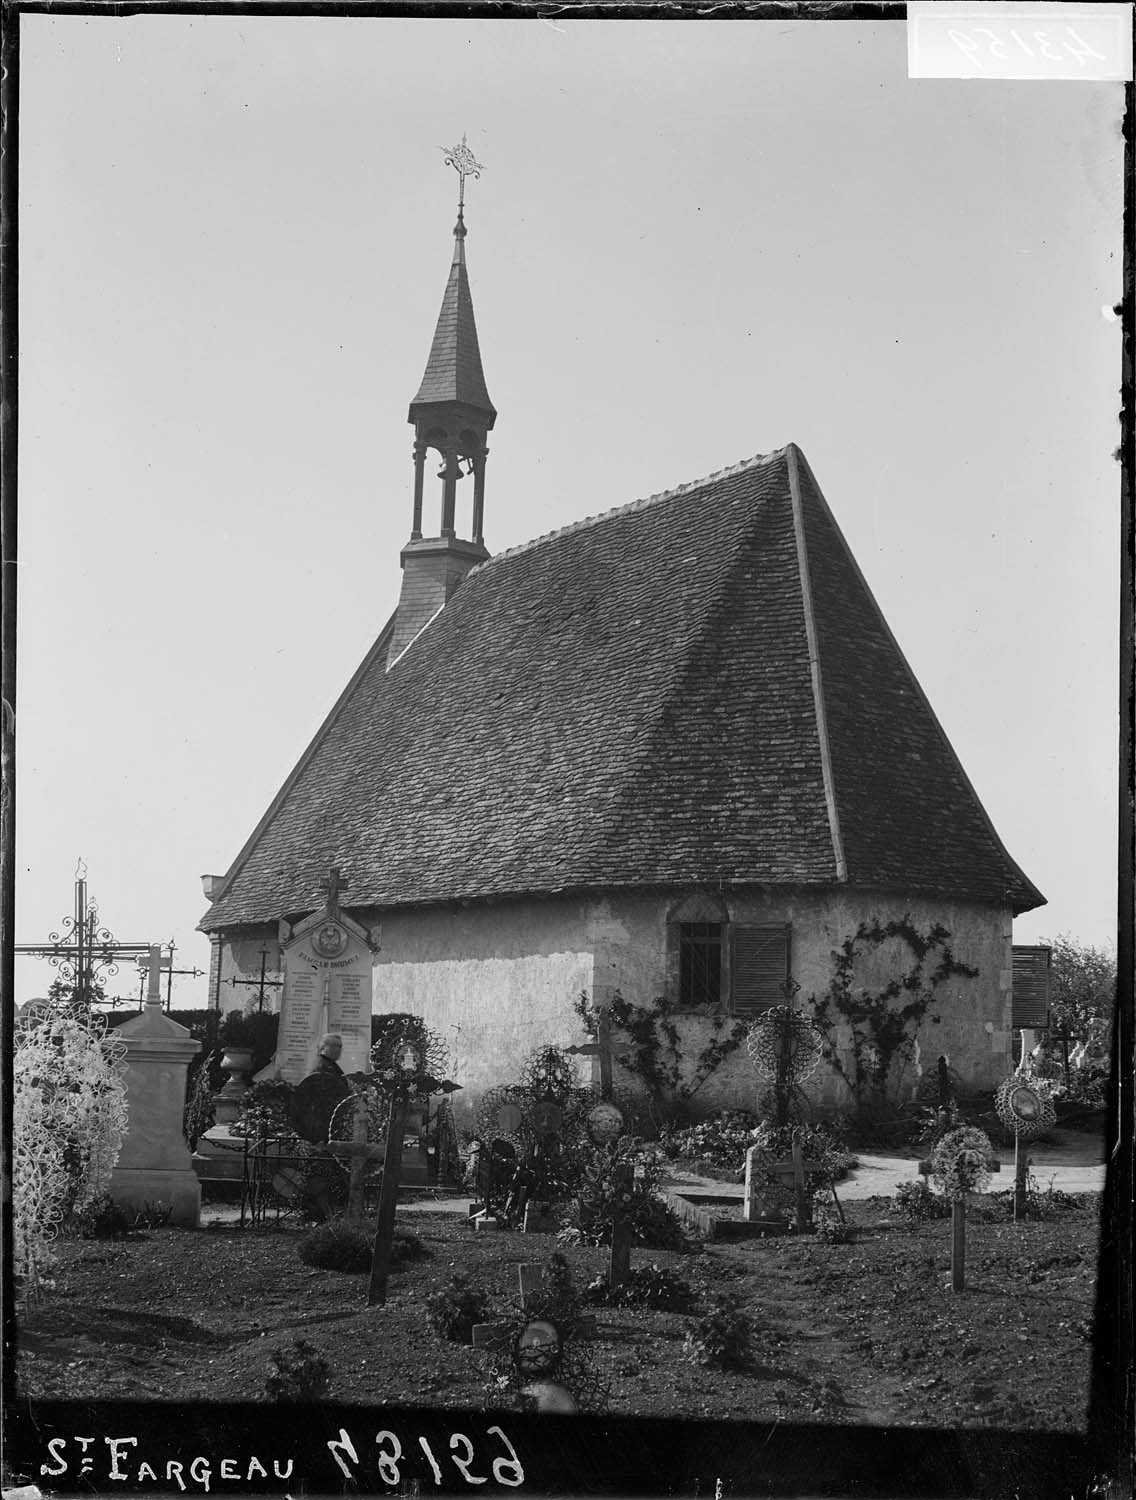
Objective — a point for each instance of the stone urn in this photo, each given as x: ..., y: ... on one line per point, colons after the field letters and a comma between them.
x: 236, y: 1062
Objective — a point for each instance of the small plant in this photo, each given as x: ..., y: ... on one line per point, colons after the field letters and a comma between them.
x: 153, y: 1215
x: 336, y: 1246
x: 405, y: 1248
x: 917, y: 1204
x: 644, y: 1286
x: 200, y: 1111
x: 1043, y: 1204
x: 831, y: 1229
x: 103, y: 1219
x: 298, y: 1374
x: 721, y: 1338
x: 455, y: 1307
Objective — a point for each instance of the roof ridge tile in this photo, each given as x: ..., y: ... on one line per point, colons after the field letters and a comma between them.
x: 630, y: 506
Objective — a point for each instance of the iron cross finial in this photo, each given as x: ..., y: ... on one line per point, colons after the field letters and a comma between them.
x: 463, y: 161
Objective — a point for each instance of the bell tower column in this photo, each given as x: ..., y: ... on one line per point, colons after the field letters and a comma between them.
x: 419, y: 471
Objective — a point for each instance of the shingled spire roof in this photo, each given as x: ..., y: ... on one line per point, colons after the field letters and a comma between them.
x: 697, y: 688
x: 453, y: 370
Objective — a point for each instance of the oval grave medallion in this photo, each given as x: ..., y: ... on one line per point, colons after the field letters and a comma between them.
x: 605, y: 1122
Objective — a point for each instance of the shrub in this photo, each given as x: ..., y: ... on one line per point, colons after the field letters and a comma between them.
x: 831, y: 1229
x: 455, y: 1307
x: 336, y: 1246
x: 298, y: 1374
x: 590, y: 1212
x: 1040, y: 1204
x: 915, y: 1202
x: 644, y: 1286
x: 721, y: 1337
x: 407, y: 1247
x: 719, y: 1142
x: 68, y: 1120
x: 102, y: 1219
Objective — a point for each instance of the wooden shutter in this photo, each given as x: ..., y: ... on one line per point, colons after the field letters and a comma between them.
x: 1031, y: 988
x: 760, y: 967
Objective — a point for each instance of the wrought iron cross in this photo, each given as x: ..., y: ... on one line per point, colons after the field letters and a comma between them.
x: 262, y: 983
x: 463, y: 161
x: 82, y: 948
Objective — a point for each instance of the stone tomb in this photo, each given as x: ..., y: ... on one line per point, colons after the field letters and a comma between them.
x: 327, y: 987
x: 154, y: 1165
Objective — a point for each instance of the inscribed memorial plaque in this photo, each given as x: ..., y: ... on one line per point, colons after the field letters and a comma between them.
x: 327, y: 987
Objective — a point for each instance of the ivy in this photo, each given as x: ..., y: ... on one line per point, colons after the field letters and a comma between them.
x: 656, y: 1056
x: 883, y: 1023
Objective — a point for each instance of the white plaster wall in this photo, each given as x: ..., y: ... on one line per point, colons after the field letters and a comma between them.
x: 498, y: 980
x: 495, y: 982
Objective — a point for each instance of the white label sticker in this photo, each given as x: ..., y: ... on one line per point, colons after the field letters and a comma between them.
x: 999, y: 39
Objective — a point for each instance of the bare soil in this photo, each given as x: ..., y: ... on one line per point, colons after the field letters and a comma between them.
x: 862, y: 1333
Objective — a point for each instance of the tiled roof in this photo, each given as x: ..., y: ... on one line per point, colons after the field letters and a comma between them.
x: 453, y: 370
x: 694, y: 689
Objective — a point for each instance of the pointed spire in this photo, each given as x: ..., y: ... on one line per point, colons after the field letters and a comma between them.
x: 453, y: 370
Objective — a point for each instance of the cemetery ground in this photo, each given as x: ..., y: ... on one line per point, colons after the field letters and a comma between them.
x: 864, y: 1333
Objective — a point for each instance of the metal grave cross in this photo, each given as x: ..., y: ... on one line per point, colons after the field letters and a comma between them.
x: 262, y: 983
x: 167, y: 963
x: 83, y: 948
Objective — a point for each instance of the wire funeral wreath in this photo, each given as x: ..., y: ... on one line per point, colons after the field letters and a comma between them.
x: 1023, y: 1108
x: 960, y: 1163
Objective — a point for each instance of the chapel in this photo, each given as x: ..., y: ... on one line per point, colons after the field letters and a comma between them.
x: 672, y: 749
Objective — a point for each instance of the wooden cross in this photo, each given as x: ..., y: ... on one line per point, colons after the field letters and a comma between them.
x: 602, y: 1047
x: 958, y: 1243
x: 361, y: 1152
x: 388, y: 1200
x: 619, y: 1262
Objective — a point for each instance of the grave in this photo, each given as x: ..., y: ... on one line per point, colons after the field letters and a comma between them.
x: 154, y: 1164
x: 531, y: 1281
x: 327, y: 988
x: 407, y: 1067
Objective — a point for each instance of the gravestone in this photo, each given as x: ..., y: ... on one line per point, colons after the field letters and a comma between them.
x: 753, y: 1203
x: 327, y: 988
x: 154, y: 1165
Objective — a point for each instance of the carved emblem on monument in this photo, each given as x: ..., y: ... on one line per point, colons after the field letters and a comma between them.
x: 329, y: 940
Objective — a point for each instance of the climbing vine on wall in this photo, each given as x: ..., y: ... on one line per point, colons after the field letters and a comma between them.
x: 883, y: 1023
x: 668, y: 1070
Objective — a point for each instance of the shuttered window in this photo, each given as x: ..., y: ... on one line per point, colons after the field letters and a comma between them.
x: 1030, y: 1008
x: 700, y: 963
x: 760, y: 968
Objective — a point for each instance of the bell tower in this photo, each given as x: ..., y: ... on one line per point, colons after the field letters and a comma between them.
x: 452, y: 416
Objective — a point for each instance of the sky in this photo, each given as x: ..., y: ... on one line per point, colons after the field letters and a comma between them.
x: 692, y: 242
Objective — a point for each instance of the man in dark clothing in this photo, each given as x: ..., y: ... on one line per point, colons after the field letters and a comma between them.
x: 313, y: 1104
x: 316, y: 1097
